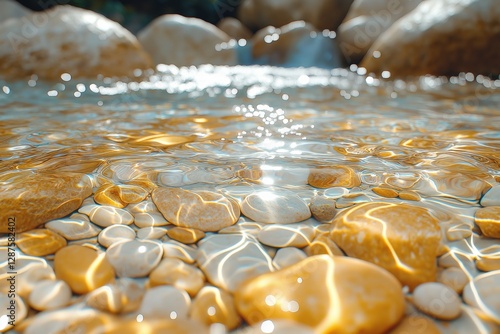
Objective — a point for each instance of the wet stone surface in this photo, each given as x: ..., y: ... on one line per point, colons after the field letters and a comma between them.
x: 251, y: 200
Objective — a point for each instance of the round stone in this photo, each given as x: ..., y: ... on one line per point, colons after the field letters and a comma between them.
x: 229, y: 259
x: 73, y: 229
x: 488, y: 263
x: 275, y: 206
x: 482, y: 293
x: 185, y: 235
x: 114, y: 234
x: 151, y: 233
x: 203, y: 210
x: 213, y: 305
x: 49, y: 295
x: 146, y: 206
x: 166, y: 302
x: 453, y: 277
x: 287, y: 256
x: 105, y: 216
x: 333, y: 176
x: 488, y: 220
x: 401, y: 238
x: 82, y: 268
x: 108, y: 298
x: 175, y: 272
x: 409, y: 195
x: 149, y: 219
x: 323, y: 208
x: 416, y: 324
x: 287, y: 235
x: 330, y: 294
x: 135, y: 258
x: 27, y: 277
x: 19, y: 314
x: 385, y: 192
x: 177, y: 250
x: 437, y: 300
x: 40, y: 242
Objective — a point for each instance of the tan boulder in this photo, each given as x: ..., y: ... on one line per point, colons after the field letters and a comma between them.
x: 234, y: 28
x: 70, y: 40
x: 323, y: 14
x: 441, y: 37
x: 12, y: 9
x: 33, y: 200
x: 366, y: 21
x: 183, y: 41
x: 401, y: 238
x: 330, y: 294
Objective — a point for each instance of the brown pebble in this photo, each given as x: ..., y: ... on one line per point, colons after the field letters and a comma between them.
x: 488, y: 263
x: 185, y: 235
x: 323, y: 208
x: 333, y: 176
x: 109, y: 194
x: 488, y: 220
x: 40, y: 242
x: 409, y: 195
x: 416, y: 324
x: 385, y: 192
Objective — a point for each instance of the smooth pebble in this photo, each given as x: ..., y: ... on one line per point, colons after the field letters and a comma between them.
x: 134, y: 258
x: 49, y: 295
x: 115, y: 233
x: 165, y: 302
x: 437, y: 300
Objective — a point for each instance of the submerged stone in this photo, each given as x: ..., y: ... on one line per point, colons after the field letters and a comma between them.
x: 331, y: 294
x: 30, y: 201
x: 401, y: 238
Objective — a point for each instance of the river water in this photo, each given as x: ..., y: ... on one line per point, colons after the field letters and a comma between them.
x: 209, y: 127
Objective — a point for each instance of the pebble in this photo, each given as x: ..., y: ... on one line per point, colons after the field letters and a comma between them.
x: 105, y: 216
x: 109, y: 194
x: 68, y: 320
x: 213, y: 305
x: 175, y: 249
x: 73, y: 229
x: 40, y: 242
x: 149, y: 219
x: 409, y: 195
x: 492, y: 197
x: 171, y: 271
x: 287, y: 235
x: 488, y: 220
x: 186, y: 235
x: 203, y: 210
x: 323, y: 244
x: 287, y: 256
x: 380, y: 233
x: 275, y: 206
x: 49, y: 295
x: 28, y: 276
x: 453, y: 277
x: 146, y: 206
x: 89, y: 272
x: 416, y: 324
x: 151, y: 233
x: 134, y: 258
x: 334, y: 176
x: 488, y: 263
x: 166, y: 302
x: 482, y: 293
x: 323, y: 208
x: 229, y: 259
x: 242, y: 226
x: 107, y: 298
x: 234, y: 28
x: 330, y: 294
x: 41, y: 197
x: 385, y: 192
x: 20, y: 313
x: 437, y: 300
x: 114, y: 234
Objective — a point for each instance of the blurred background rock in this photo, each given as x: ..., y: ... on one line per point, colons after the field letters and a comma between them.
x: 135, y: 15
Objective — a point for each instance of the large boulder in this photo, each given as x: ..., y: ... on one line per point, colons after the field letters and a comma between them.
x: 366, y: 21
x: 296, y: 44
x: 70, y: 40
x: 11, y: 9
x: 323, y: 14
x: 182, y: 41
x: 440, y: 37
x: 234, y: 28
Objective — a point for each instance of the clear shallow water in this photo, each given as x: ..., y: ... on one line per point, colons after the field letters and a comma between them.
x: 208, y: 128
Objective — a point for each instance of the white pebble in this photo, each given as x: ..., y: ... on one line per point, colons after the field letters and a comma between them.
x: 165, y: 302
x: 50, y: 295
x: 115, y: 233
x: 105, y: 215
x: 135, y: 258
x: 437, y: 300
x: 287, y: 256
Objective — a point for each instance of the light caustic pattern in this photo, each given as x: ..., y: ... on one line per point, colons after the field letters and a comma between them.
x: 221, y: 136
